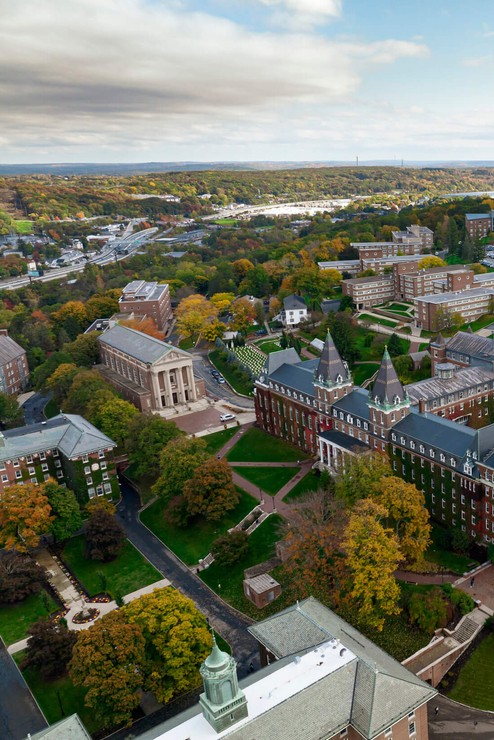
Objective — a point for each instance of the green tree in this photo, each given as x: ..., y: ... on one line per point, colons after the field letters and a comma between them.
x: 84, y: 350
x: 60, y: 381
x: 85, y: 386
x: 177, y: 641
x: 179, y: 460
x: 394, y: 345
x: 66, y: 510
x: 373, y: 556
x: 148, y: 434
x: 344, y: 332
x: 104, y: 534
x: 109, y: 660
x: 230, y: 547
x: 361, y: 477
x: 20, y: 576
x: 113, y: 418
x: 210, y: 492
x: 428, y: 610
x: 10, y: 411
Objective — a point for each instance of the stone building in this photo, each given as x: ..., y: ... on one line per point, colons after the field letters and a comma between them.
x: 151, y: 374
x: 14, y: 370
x: 149, y: 299
x: 66, y: 448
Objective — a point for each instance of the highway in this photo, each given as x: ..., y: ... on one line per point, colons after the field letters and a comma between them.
x: 129, y: 244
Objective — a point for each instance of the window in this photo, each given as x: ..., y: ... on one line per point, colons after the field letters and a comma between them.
x: 46, y: 476
x: 44, y: 467
x: 18, y: 474
x: 58, y: 464
x: 101, y: 453
x: 31, y: 471
x: 29, y: 459
x: 411, y: 728
x: 87, y: 470
x: 105, y: 476
x: 89, y: 480
x: 107, y: 487
x: 85, y: 459
x: 5, y: 478
x: 91, y: 492
x: 16, y: 463
x: 55, y: 453
x: 59, y: 474
x: 42, y: 456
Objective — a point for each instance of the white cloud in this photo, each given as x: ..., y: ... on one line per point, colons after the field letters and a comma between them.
x: 128, y: 74
x: 304, y: 13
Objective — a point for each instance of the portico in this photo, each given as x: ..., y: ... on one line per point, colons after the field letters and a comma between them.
x: 334, y: 448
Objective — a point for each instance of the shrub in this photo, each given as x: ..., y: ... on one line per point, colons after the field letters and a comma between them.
x: 20, y: 576
x: 459, y: 541
x: 230, y: 547
x: 49, y: 647
x: 104, y: 536
x: 428, y: 610
x: 461, y: 600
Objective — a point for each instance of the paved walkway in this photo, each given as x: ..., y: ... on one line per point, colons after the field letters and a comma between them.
x: 455, y: 721
x: 19, y: 713
x: 483, y: 587
x: 436, y: 578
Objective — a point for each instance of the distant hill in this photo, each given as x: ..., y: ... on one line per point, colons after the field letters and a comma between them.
x: 129, y: 168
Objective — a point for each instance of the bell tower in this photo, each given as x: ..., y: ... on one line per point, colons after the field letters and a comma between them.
x: 222, y: 703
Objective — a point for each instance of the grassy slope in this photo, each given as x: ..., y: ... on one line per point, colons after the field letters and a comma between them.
x: 258, y: 446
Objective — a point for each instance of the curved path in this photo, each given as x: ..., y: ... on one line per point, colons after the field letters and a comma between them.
x: 457, y: 721
x: 230, y: 624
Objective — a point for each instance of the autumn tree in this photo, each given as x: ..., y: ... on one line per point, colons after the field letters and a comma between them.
x: 112, y: 417
x: 84, y: 350
x: 179, y: 461
x: 20, y: 576
x: 193, y: 313
x: 230, y: 547
x: 243, y: 314
x: 49, y: 648
x: 222, y: 301
x: 25, y: 514
x: 211, y: 332
x: 147, y: 435
x: 103, y: 305
x: 361, y: 476
x: 177, y: 641
x: 104, y: 534
x: 407, y: 515
x: 145, y: 326
x: 210, y: 492
x: 430, y: 261
x: 315, y: 563
x: 72, y: 318
x: 373, y: 555
x: 65, y: 509
x: 241, y: 267
x: 108, y: 661
x: 60, y: 381
x: 85, y: 386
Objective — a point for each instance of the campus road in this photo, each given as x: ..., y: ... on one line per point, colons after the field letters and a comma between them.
x: 19, y: 713
x: 34, y: 407
x: 231, y: 625
x: 202, y: 369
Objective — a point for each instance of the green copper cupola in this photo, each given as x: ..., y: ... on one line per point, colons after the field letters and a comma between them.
x: 223, y: 703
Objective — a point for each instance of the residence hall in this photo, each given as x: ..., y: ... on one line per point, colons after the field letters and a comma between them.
x: 148, y: 299
x: 66, y: 448
x: 319, y: 409
x: 151, y: 374
x: 324, y: 680
x: 14, y: 370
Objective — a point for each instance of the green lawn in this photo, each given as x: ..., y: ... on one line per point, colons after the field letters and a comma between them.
x: 258, y: 446
x: 268, y: 346
x: 362, y: 372
x: 214, y: 442
x: 227, y: 581
x: 16, y: 619
x: 51, y: 694
x: 310, y: 482
x: 24, y: 226
x: 226, y: 221
x: 194, y: 541
x: 376, y: 320
x: 51, y: 409
x: 187, y: 343
x: 475, y: 684
x: 127, y: 573
x: 239, y: 385
x: 269, y: 479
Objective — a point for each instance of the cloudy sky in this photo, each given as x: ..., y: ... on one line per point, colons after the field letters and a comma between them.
x: 211, y: 80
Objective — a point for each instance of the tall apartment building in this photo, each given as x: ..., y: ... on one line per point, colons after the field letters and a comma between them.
x: 150, y: 299
x: 151, y: 374
x: 67, y: 448
x: 14, y: 370
x: 432, y: 312
x: 479, y: 225
x: 369, y: 291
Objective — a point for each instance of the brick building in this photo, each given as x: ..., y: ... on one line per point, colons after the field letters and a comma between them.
x: 433, y: 312
x: 151, y: 374
x: 479, y: 225
x: 66, y: 448
x: 148, y: 299
x: 369, y: 291
x: 14, y: 370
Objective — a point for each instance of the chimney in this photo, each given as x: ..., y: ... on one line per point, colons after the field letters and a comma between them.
x: 422, y: 408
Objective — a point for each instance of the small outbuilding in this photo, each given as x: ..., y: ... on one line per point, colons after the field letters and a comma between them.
x: 261, y: 590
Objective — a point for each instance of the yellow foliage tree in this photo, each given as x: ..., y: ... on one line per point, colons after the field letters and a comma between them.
x: 25, y: 514
x: 222, y: 301
x: 373, y: 555
x: 193, y: 314
x: 430, y: 261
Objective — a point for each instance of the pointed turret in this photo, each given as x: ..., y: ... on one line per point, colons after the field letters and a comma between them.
x: 331, y: 369
x: 439, y: 340
x: 223, y: 703
x: 387, y: 390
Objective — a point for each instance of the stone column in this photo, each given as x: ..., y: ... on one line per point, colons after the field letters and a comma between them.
x: 180, y: 385
x: 191, y: 383
x: 156, y: 390
x: 168, y: 388
x: 321, y: 450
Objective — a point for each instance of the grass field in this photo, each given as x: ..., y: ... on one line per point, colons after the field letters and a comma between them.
x: 239, y: 385
x: 55, y: 696
x: 16, y: 619
x: 475, y: 684
x: 194, y: 541
x: 269, y: 479
x: 51, y: 409
x: 309, y: 482
x: 214, y: 442
x: 269, y: 345
x: 227, y: 580
x: 24, y: 226
x: 377, y: 320
x: 226, y: 221
x: 362, y: 372
x: 187, y: 343
x: 257, y: 446
x: 127, y: 573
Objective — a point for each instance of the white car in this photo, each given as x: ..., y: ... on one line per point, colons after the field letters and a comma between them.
x: 227, y: 417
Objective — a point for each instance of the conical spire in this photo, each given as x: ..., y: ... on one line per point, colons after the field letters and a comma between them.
x: 469, y: 330
x: 387, y: 389
x: 439, y: 339
x: 330, y: 369
x: 217, y: 660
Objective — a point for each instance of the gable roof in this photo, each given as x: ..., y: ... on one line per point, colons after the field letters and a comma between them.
x: 431, y: 388
x: 471, y: 344
x: 138, y: 345
x: 438, y: 432
x: 276, y: 359
x: 293, y: 302
x: 299, y: 377
x: 9, y: 350
x: 387, y: 387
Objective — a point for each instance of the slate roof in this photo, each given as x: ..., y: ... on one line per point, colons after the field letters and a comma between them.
x: 352, y: 444
x: 355, y: 402
x: 441, y: 434
x: 137, y: 345
x: 476, y: 216
x: 471, y: 344
x: 299, y: 377
x: 9, y: 350
x: 276, y: 359
x: 330, y: 368
x: 463, y: 295
x: 436, y: 387
x: 69, y: 433
x: 384, y: 691
x: 293, y: 303
x: 69, y: 728
x: 387, y: 387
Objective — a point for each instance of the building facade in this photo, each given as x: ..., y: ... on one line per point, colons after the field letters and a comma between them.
x: 149, y: 299
x: 14, y: 370
x: 293, y: 312
x: 66, y: 448
x: 479, y: 225
x: 151, y: 374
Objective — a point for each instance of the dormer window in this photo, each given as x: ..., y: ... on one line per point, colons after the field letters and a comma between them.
x: 376, y: 399
x: 339, y: 379
x: 397, y: 399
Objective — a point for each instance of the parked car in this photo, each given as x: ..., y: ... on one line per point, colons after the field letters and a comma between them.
x: 227, y: 417
x: 220, y: 379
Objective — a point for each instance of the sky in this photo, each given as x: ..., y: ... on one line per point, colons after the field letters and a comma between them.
x: 245, y: 80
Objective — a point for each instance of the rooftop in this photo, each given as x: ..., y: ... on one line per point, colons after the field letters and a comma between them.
x: 9, y: 350
x: 436, y: 387
x: 294, y: 302
x: 140, y: 290
x: 140, y: 346
x: 260, y: 584
x: 472, y: 345
x: 463, y: 295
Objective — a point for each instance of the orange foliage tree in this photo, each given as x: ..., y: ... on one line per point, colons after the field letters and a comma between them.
x: 25, y: 514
